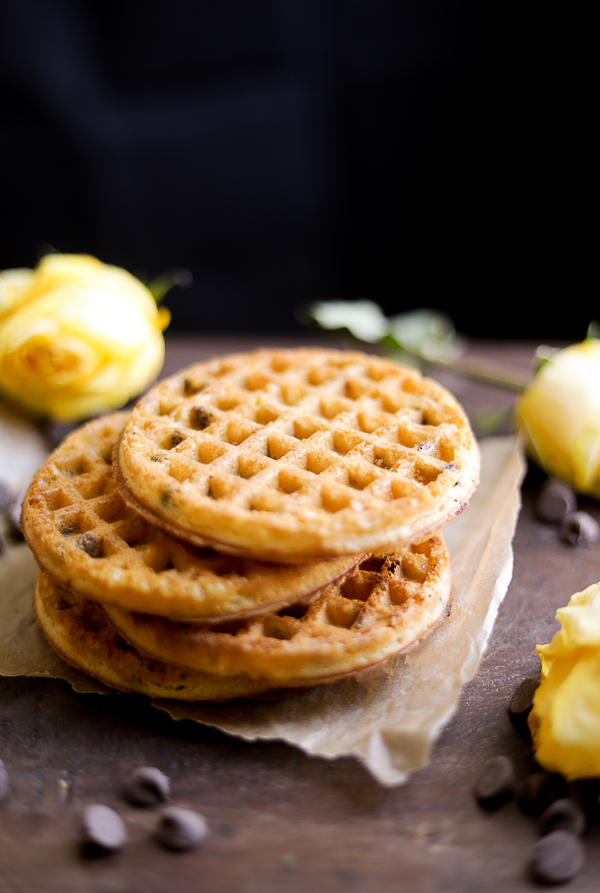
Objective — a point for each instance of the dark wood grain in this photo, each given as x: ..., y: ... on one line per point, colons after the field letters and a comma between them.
x: 282, y: 821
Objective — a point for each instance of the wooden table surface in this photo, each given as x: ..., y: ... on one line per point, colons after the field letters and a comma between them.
x: 282, y: 821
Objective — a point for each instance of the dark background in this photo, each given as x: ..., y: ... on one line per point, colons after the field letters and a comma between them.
x: 419, y: 153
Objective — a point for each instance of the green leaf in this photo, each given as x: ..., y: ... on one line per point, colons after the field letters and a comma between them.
x: 363, y: 319
x: 428, y: 334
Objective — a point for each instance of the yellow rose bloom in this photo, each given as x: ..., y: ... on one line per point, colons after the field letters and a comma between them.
x: 559, y: 414
x: 77, y: 337
x: 565, y: 719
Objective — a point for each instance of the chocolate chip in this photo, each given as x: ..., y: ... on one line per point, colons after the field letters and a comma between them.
x: 165, y: 500
x: 147, y: 786
x: 181, y: 829
x: 190, y: 388
x: 554, y: 500
x: 3, y: 781
x: 91, y: 545
x: 14, y: 514
x: 579, y: 527
x: 557, y: 857
x: 103, y: 828
x: 537, y: 791
x: 2, y: 545
x: 175, y: 439
x: 495, y: 783
x: 200, y: 418
x: 6, y: 496
x: 522, y: 702
x: 69, y: 527
x: 563, y: 815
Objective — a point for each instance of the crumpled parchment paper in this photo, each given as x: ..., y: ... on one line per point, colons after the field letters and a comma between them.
x: 387, y: 717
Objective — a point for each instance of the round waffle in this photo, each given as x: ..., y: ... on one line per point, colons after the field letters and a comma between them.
x: 81, y: 634
x: 382, y: 607
x: 288, y: 455
x: 83, y: 533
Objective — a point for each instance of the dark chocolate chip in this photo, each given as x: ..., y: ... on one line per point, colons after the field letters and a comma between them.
x: 147, y: 786
x: 103, y: 827
x: 14, y: 514
x: 557, y: 857
x: 181, y: 829
x: 2, y: 545
x: 554, y: 500
x: 495, y: 783
x: 6, y: 496
x: 175, y: 439
x: 69, y: 527
x: 189, y: 388
x: 200, y: 418
x: 563, y: 815
x: 537, y: 791
x: 579, y: 527
x: 522, y: 702
x: 3, y: 781
x: 91, y: 545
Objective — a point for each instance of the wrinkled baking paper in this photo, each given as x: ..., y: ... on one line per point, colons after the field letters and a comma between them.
x: 387, y: 717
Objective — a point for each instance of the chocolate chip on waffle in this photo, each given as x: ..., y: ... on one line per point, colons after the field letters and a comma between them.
x: 288, y: 455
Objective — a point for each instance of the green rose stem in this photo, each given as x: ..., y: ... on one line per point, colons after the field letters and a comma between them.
x: 481, y: 371
x: 165, y: 282
x: 514, y: 381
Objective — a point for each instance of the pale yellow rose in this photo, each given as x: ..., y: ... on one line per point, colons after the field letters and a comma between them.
x: 560, y: 416
x: 77, y: 337
x: 565, y: 719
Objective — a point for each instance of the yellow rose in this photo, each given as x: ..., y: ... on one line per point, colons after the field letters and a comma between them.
x: 77, y: 337
x: 560, y: 416
x: 565, y: 719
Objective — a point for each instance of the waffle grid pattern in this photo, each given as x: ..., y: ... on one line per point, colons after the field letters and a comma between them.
x: 80, y: 528
x: 378, y: 609
x: 303, y: 435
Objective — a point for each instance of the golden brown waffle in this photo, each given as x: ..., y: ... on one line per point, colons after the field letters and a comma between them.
x: 289, y: 455
x: 80, y: 633
x: 380, y: 608
x: 82, y: 533
x: 355, y: 628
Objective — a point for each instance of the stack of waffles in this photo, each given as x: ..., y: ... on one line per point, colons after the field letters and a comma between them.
x: 258, y: 524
